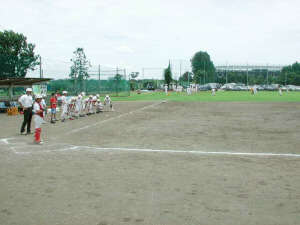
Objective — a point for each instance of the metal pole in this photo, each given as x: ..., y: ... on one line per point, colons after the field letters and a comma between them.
x: 41, y: 73
x: 143, y: 72
x: 180, y: 70
x: 99, y: 74
x: 204, y: 72
x: 285, y: 78
x: 267, y: 75
x: 226, y: 73
x: 247, y: 75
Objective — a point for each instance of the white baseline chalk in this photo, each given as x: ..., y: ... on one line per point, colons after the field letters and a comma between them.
x: 170, y: 151
x: 194, y: 152
x: 113, y: 118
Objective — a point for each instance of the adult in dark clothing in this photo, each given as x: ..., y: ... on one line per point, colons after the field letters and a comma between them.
x: 26, y: 103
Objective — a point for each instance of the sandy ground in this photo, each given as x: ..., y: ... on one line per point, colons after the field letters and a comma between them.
x: 80, y: 177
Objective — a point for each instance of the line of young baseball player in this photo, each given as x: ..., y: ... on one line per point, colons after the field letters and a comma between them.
x: 73, y: 107
x: 79, y: 106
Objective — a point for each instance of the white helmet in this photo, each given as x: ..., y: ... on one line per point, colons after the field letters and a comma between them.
x: 97, y: 95
x: 28, y: 89
x: 38, y: 96
x: 83, y: 93
x: 90, y: 96
x: 65, y: 92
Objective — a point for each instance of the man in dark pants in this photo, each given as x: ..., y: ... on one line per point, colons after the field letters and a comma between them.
x: 26, y: 103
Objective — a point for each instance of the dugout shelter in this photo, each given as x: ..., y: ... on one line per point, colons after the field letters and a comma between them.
x: 6, y: 100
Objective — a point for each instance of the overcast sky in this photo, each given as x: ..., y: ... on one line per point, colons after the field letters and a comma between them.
x: 138, y: 33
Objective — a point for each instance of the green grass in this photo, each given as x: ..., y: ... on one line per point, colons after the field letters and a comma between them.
x: 221, y: 96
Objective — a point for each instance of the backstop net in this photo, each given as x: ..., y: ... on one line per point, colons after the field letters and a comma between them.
x: 113, y: 82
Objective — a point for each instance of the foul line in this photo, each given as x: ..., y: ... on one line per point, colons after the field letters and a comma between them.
x: 116, y: 117
x: 191, y: 152
x: 68, y: 147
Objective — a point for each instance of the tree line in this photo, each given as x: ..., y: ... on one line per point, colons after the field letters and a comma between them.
x: 17, y: 57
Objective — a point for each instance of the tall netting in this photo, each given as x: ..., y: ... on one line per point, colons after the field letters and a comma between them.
x: 109, y: 81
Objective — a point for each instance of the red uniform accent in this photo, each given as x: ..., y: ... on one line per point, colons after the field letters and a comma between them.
x: 37, y: 135
x: 41, y: 114
x: 53, y: 102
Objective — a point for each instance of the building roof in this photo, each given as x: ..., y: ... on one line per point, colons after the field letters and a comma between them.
x: 21, y: 82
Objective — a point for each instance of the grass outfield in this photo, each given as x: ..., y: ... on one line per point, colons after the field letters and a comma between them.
x: 221, y: 96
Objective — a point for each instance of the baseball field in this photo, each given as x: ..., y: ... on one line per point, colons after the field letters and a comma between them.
x: 227, y: 159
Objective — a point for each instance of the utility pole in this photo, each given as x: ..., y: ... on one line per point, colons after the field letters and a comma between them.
x: 41, y: 72
x: 204, y: 72
x: 99, y: 74
x: 226, y: 73
x: 143, y: 72
x: 247, y: 75
x: 267, y: 75
x: 180, y: 70
x: 285, y: 78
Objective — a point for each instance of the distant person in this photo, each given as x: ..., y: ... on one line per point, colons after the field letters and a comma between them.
x: 108, y: 102
x: 255, y: 89
x: 38, y: 118
x: 64, y: 107
x: 26, y: 103
x: 166, y: 89
x: 44, y: 104
x: 280, y: 91
x: 57, y: 94
x: 53, y: 105
x: 189, y: 91
x: 213, y: 92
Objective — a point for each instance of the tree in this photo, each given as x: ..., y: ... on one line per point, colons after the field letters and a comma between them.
x: 117, y: 80
x: 290, y: 74
x: 186, y: 77
x: 132, y: 80
x: 200, y: 74
x: 16, y: 55
x: 203, y: 67
x: 79, y: 69
x: 168, y: 75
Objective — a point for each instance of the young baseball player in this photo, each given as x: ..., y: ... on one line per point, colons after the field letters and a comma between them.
x: 64, y: 107
x: 213, y: 92
x: 44, y: 104
x: 94, y: 101
x: 78, y: 106
x: 108, y: 102
x: 53, y: 104
x: 90, y: 105
x: 82, y: 104
x: 38, y: 118
x: 189, y: 91
x: 99, y: 106
x: 255, y: 89
x: 280, y: 91
x: 166, y: 89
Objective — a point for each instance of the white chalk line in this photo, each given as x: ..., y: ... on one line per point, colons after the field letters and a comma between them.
x: 191, y: 152
x: 98, y: 149
x: 172, y: 151
x: 113, y: 118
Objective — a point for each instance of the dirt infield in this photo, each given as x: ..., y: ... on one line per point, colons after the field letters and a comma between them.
x: 147, y: 163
